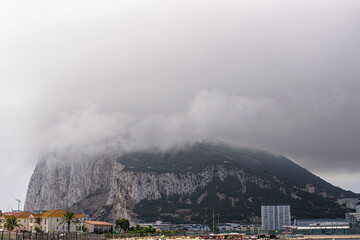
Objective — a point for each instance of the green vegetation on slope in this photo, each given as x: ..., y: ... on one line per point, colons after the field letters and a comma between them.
x: 288, y: 180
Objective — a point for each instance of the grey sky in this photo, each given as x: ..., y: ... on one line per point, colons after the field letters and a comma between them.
x: 278, y: 75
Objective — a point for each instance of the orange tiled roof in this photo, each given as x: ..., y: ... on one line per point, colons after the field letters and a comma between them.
x: 22, y: 214
x: 51, y: 213
x: 58, y: 213
x: 99, y: 223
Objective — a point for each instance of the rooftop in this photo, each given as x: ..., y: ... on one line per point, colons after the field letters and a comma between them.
x: 99, y: 223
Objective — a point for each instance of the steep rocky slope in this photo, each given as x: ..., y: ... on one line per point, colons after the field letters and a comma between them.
x: 182, y: 186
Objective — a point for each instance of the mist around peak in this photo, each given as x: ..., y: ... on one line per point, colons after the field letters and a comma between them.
x: 250, y: 122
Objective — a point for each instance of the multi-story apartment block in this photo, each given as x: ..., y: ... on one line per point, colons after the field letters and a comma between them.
x: 274, y: 217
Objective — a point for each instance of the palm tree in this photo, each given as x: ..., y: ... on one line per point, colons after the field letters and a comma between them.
x: 11, y: 223
x: 68, y: 219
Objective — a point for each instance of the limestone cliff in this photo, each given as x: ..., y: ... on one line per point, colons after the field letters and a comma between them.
x: 182, y: 186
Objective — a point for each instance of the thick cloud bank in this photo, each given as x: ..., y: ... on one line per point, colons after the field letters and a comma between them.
x: 308, y: 126
x: 83, y: 77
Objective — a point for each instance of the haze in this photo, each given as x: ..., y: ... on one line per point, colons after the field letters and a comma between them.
x: 282, y: 76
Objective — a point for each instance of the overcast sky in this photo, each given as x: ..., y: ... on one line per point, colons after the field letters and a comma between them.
x: 282, y: 76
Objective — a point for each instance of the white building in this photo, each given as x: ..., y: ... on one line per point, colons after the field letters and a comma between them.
x: 49, y: 221
x: 98, y: 226
x: 158, y: 225
x: 274, y: 217
x: 349, y: 202
x: 357, y: 207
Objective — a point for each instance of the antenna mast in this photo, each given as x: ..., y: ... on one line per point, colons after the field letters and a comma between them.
x: 18, y: 200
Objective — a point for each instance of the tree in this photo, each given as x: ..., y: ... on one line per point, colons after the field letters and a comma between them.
x: 83, y: 228
x: 215, y: 230
x: 11, y: 223
x: 149, y: 229
x: 68, y: 219
x: 38, y: 230
x: 123, y: 224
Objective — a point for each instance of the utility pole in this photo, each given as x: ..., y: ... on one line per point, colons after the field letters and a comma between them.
x: 218, y: 221
x: 18, y: 200
x: 213, y: 221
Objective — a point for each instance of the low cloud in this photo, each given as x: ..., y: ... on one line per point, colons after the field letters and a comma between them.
x: 305, y: 127
x: 81, y: 79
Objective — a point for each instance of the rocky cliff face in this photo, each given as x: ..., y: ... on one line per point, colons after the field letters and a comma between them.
x: 129, y: 188
x: 104, y: 189
x: 179, y: 187
x: 63, y: 184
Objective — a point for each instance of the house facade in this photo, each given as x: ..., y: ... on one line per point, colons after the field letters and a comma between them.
x: 50, y: 221
x: 98, y: 226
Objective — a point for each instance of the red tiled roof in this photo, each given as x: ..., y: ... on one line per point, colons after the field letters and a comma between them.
x: 8, y: 214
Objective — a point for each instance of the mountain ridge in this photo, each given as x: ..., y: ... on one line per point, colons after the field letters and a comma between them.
x: 184, y: 186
